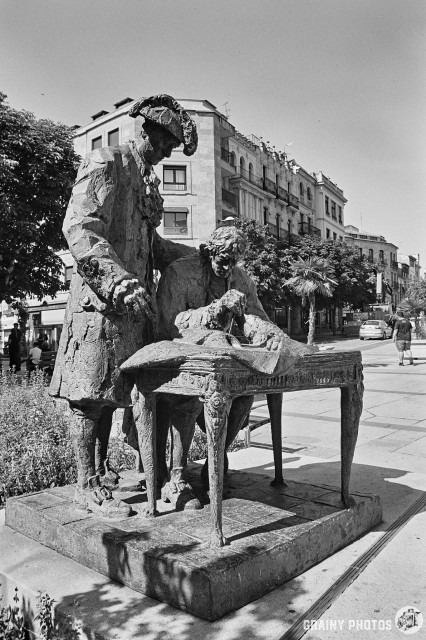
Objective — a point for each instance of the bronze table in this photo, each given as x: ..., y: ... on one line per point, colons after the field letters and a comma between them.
x: 216, y: 378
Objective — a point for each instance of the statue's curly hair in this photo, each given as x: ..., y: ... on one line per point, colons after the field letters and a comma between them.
x: 190, y: 137
x: 225, y: 238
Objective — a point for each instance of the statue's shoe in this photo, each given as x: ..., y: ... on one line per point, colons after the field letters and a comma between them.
x: 98, y: 499
x: 180, y: 495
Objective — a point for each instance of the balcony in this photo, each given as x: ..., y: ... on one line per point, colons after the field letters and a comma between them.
x: 269, y: 186
x: 273, y: 229
x: 230, y: 198
x: 394, y: 264
x: 282, y: 194
x: 306, y: 229
x: 287, y: 236
x: 225, y: 155
x: 249, y: 177
x: 293, y: 202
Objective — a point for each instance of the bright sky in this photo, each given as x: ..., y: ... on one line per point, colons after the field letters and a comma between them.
x: 344, y: 81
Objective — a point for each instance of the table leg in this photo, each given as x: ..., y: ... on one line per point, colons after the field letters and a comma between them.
x: 144, y: 415
x: 216, y: 411
x: 275, y: 404
x: 351, y: 409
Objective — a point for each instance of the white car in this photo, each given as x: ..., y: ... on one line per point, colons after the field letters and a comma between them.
x: 375, y: 329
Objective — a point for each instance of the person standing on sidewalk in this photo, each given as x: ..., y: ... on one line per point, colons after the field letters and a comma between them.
x: 402, y: 337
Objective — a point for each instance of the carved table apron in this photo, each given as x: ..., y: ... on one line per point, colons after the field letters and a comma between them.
x: 216, y: 381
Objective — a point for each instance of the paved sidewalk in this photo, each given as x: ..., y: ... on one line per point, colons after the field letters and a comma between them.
x: 389, y: 461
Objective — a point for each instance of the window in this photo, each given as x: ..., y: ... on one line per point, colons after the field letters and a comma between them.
x: 68, y: 274
x: 242, y: 165
x: 370, y: 255
x: 381, y: 255
x: 341, y: 238
x: 334, y: 236
x: 360, y: 252
x: 232, y: 159
x: 250, y: 170
x: 309, y: 193
x: 174, y: 178
x: 113, y: 138
x: 97, y: 143
x: 340, y: 215
x: 175, y: 222
x: 301, y: 189
x: 333, y: 210
x: 327, y: 205
x: 327, y: 233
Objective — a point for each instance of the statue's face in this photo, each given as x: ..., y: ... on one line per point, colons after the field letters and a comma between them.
x: 159, y: 144
x: 223, y: 263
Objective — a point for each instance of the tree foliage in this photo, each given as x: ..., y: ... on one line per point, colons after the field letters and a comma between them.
x: 416, y: 295
x: 37, y: 169
x: 269, y: 262
x: 263, y: 261
x: 311, y: 278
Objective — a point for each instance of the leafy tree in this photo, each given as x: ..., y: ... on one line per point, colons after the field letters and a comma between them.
x: 311, y: 277
x: 37, y: 169
x: 263, y: 261
x: 416, y: 294
x: 269, y: 261
x: 354, y: 275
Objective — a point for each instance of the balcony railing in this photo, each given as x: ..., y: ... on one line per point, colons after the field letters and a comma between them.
x: 273, y: 229
x: 306, y: 229
x: 230, y: 198
x: 269, y: 186
x: 287, y: 236
x: 250, y: 177
x: 293, y: 201
x: 282, y: 194
x: 394, y: 264
x: 227, y: 156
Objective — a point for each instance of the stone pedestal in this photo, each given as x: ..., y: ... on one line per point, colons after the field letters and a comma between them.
x: 273, y: 534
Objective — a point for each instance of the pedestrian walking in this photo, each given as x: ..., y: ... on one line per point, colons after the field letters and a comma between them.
x: 402, y: 337
x: 14, y: 343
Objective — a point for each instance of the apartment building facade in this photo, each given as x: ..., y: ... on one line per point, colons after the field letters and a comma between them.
x: 396, y: 271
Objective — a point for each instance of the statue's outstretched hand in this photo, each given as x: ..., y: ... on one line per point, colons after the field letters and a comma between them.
x: 130, y: 297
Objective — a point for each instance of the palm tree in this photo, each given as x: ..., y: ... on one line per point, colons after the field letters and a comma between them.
x: 311, y: 277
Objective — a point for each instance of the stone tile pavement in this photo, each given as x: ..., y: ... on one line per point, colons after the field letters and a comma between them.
x: 389, y: 461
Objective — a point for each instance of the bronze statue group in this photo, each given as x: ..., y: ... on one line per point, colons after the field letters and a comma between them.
x: 114, y: 309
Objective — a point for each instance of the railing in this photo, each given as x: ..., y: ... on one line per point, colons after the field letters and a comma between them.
x: 175, y: 231
x: 287, y: 236
x: 230, y: 198
x: 282, y: 194
x: 250, y: 177
x: 394, y: 264
x: 309, y: 229
x: 293, y: 201
x: 269, y: 186
x: 227, y: 156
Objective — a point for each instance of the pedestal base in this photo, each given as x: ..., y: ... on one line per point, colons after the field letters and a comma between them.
x: 274, y: 534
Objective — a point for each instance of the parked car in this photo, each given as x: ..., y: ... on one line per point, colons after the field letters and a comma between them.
x: 375, y: 329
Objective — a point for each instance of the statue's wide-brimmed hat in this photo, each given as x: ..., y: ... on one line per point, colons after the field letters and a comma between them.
x: 164, y: 111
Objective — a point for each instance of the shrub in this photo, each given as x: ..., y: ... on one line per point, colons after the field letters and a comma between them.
x: 35, y: 447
